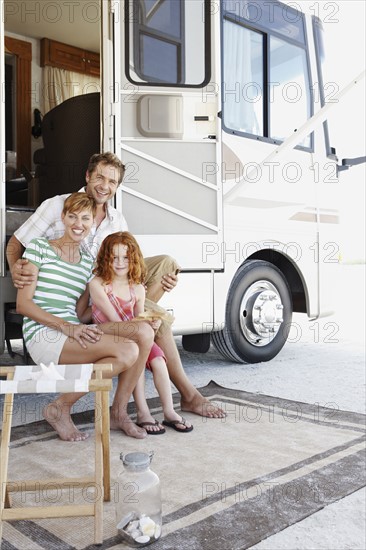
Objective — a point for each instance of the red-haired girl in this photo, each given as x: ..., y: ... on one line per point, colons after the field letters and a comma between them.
x: 118, y: 294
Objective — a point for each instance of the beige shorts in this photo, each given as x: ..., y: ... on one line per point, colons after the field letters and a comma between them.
x: 157, y: 266
x: 46, y: 346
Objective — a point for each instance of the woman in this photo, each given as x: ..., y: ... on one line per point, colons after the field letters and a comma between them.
x: 55, y: 310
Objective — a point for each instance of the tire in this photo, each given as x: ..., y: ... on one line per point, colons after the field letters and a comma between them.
x: 258, y: 314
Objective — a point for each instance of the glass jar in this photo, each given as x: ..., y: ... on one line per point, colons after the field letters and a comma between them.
x: 138, y: 502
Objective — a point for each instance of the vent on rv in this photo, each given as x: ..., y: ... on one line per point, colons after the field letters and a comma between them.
x: 160, y: 116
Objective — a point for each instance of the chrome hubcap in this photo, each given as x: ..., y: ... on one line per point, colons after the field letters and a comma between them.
x: 261, y: 313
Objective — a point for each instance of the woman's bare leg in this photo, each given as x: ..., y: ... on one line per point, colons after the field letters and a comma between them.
x: 58, y: 415
x: 122, y: 356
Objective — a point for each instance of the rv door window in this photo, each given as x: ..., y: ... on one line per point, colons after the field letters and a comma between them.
x: 168, y: 42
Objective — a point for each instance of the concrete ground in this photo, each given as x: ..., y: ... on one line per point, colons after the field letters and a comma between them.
x: 323, y: 362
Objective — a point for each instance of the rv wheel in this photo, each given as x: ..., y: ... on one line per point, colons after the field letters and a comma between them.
x: 258, y: 314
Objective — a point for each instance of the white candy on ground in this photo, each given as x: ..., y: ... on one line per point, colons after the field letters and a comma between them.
x: 135, y: 534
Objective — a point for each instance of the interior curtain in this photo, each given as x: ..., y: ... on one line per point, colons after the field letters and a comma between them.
x: 239, y: 73
x: 59, y: 85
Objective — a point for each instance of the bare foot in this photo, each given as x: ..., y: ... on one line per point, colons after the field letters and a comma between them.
x: 58, y: 416
x: 125, y: 424
x: 202, y: 406
x: 148, y: 423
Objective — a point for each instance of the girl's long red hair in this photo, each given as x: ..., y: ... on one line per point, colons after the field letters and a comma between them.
x: 104, y: 262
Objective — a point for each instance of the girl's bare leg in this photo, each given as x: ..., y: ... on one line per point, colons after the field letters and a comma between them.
x: 164, y: 389
x: 141, y: 334
x: 142, y: 409
x: 120, y: 419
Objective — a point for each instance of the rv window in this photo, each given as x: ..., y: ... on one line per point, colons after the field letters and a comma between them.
x: 266, y: 84
x: 243, y: 79
x: 289, y: 106
x: 272, y: 16
x: 168, y: 42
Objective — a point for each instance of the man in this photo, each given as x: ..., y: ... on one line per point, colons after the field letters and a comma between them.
x: 104, y: 174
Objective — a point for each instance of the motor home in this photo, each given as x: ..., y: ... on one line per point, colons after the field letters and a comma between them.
x: 218, y: 109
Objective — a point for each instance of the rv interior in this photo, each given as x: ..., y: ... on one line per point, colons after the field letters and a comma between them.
x: 52, y: 100
x: 52, y: 112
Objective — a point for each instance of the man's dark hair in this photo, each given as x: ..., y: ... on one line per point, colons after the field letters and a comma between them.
x: 106, y: 158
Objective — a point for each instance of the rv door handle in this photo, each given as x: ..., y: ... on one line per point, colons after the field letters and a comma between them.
x: 204, y: 118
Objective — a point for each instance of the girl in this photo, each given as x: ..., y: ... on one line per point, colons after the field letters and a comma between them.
x: 55, y: 308
x: 117, y: 294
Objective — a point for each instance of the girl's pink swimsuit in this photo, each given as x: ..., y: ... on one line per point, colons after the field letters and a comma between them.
x: 125, y: 308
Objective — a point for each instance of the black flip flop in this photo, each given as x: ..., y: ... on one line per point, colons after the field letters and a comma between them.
x: 173, y: 424
x: 153, y: 432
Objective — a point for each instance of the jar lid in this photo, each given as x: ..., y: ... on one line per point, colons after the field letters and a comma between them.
x: 136, y: 460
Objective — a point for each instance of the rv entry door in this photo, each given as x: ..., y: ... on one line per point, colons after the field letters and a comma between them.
x: 165, y: 126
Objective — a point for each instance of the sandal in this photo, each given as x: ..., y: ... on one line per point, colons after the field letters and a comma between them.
x: 144, y: 425
x: 173, y: 424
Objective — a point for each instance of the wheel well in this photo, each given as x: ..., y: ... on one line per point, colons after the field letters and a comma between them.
x: 297, y: 288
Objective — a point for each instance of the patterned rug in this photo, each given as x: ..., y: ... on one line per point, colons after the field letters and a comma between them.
x: 228, y: 484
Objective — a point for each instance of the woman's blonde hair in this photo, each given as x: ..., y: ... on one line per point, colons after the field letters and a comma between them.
x: 104, y: 262
x: 76, y: 202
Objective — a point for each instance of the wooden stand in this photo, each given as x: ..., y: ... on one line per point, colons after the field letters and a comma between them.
x: 100, y: 480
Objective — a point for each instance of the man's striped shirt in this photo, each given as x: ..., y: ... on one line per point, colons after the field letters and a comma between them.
x: 46, y: 222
